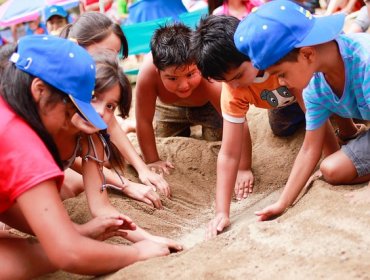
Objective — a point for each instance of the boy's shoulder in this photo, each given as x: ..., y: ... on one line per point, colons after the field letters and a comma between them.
x: 148, y: 75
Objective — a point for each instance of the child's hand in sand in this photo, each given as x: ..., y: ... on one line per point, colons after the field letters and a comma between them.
x: 148, y: 249
x: 172, y: 245
x: 155, y: 180
x: 244, y: 184
x: 360, y: 196
x: 271, y: 212
x: 142, y: 193
x: 104, y: 227
x: 217, y: 225
x: 161, y: 167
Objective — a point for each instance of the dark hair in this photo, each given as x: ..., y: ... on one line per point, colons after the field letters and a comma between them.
x: 170, y: 46
x: 292, y: 56
x: 108, y: 74
x: 94, y: 27
x: 213, y: 46
x: 5, y: 52
x: 16, y: 91
x: 213, y: 4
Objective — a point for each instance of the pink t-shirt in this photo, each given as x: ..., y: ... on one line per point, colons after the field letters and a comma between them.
x: 249, y: 6
x: 25, y: 161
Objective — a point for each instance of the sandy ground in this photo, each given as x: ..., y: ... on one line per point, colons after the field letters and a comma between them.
x: 322, y: 237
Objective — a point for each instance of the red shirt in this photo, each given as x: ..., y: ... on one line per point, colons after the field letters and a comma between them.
x: 25, y: 161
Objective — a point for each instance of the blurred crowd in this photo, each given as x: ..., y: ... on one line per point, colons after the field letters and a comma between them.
x: 55, y: 17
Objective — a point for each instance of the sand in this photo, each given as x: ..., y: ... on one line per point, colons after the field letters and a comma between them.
x: 322, y: 237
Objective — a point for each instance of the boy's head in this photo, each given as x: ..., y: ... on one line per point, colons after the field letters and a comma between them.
x: 278, y: 27
x: 55, y: 18
x: 213, y: 46
x: 170, y: 47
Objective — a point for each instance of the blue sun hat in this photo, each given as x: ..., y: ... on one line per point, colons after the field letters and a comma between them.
x: 277, y: 27
x: 54, y: 10
x: 64, y: 65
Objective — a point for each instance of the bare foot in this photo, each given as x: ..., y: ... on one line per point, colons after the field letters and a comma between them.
x: 359, y: 197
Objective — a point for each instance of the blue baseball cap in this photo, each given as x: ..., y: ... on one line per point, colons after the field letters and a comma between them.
x: 64, y: 65
x: 277, y: 27
x: 54, y: 10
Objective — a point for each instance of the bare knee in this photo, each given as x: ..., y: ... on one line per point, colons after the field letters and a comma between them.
x: 338, y: 168
x: 330, y: 172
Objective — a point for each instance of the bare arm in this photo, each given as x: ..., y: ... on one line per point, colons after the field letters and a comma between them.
x: 144, y: 109
x: 246, y: 154
x: 70, y: 251
x: 227, y: 167
x: 304, y: 165
x: 119, y: 138
x: 245, y: 179
x: 97, y: 198
x: 124, y: 145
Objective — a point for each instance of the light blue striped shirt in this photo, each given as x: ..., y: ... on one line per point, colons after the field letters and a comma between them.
x: 320, y: 100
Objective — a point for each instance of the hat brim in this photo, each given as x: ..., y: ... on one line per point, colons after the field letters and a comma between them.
x: 325, y: 29
x: 89, y: 113
x: 63, y: 15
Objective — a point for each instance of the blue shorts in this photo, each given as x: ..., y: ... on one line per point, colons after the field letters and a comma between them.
x: 358, y: 151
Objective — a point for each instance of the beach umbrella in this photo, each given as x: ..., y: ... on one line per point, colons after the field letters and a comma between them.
x: 17, y: 11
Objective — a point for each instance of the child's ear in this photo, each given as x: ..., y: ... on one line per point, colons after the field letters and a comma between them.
x: 38, y: 89
x: 308, y: 53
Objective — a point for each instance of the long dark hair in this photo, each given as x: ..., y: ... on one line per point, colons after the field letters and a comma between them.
x: 108, y: 74
x: 16, y: 91
x: 94, y: 27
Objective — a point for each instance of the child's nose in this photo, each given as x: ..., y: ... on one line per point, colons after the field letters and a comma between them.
x: 183, y: 85
x: 100, y: 110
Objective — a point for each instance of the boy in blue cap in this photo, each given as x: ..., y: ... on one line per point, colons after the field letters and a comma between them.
x: 310, y: 54
x: 56, y: 17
